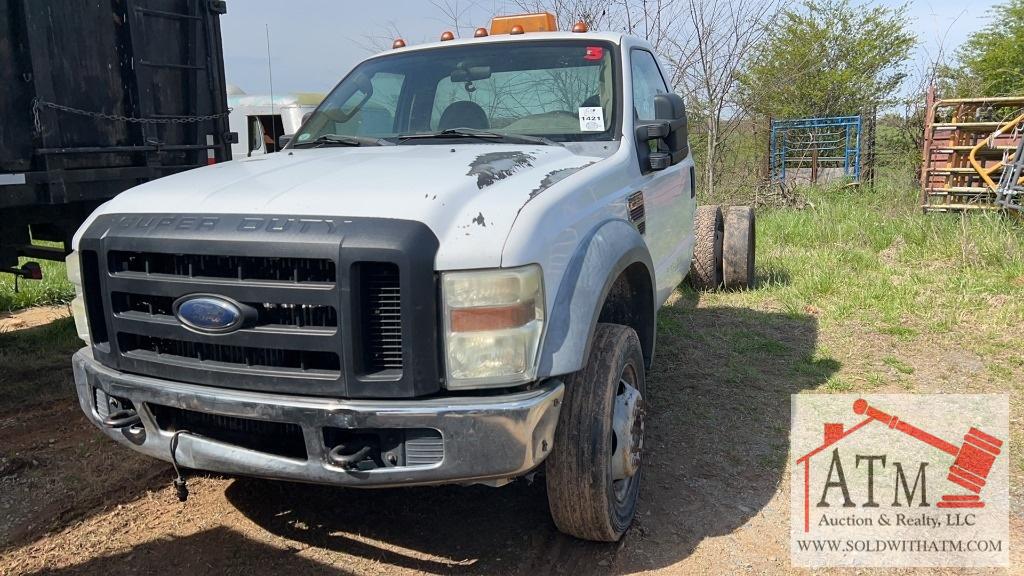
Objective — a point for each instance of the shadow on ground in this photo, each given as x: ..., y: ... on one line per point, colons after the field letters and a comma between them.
x: 715, y: 455
x: 214, y: 551
x: 55, y: 467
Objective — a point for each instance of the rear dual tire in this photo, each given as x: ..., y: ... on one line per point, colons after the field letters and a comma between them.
x: 738, y: 248
x: 724, y: 247
x: 708, y: 230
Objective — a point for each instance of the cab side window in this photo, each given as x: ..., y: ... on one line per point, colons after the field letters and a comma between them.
x: 647, y: 82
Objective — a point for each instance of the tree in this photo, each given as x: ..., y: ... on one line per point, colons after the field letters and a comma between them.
x: 714, y: 42
x: 704, y: 44
x: 829, y: 58
x: 991, y: 61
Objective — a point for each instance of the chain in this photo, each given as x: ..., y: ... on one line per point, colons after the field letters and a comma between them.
x: 38, y: 104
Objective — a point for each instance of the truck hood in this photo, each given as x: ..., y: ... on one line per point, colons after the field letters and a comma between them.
x: 468, y: 194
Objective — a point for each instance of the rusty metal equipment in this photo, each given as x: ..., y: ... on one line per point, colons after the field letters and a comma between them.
x: 968, y: 145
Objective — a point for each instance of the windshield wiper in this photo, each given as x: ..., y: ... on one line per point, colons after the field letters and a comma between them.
x: 339, y: 140
x: 481, y: 134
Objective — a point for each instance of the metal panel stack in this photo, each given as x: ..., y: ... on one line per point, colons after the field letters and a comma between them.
x: 968, y: 144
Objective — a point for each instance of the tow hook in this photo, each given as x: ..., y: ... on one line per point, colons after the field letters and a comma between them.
x: 347, y: 461
x: 122, y: 419
x: 130, y: 425
x: 180, y: 484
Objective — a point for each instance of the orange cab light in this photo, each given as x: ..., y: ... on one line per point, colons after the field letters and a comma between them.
x: 581, y: 27
x: 447, y: 35
x: 398, y: 43
x: 539, y: 22
x: 480, y: 33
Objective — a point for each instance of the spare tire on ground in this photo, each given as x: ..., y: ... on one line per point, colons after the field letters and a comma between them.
x: 706, y: 266
x: 738, y: 248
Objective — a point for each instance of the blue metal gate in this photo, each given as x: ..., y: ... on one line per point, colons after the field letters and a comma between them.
x: 815, y: 144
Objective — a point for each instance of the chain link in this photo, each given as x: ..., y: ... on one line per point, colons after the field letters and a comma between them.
x: 38, y: 104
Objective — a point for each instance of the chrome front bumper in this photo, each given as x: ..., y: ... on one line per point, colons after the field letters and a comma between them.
x: 486, y: 439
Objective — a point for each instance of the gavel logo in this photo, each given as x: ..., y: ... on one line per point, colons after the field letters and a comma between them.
x: 972, y: 460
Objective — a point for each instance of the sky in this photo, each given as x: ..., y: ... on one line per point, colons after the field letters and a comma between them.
x: 313, y: 43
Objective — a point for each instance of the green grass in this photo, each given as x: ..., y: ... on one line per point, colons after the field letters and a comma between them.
x: 898, y: 365
x: 36, y: 362
x: 872, y: 257
x: 54, y: 288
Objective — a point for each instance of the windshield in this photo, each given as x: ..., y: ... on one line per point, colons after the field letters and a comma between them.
x: 559, y: 90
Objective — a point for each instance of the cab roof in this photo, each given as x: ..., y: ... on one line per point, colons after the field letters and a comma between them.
x: 613, y: 37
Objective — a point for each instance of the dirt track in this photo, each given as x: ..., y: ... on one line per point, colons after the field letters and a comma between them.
x: 715, y: 497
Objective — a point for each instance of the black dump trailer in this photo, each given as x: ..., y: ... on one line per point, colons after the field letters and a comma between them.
x: 97, y: 96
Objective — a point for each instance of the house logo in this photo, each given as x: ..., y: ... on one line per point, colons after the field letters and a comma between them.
x: 900, y: 480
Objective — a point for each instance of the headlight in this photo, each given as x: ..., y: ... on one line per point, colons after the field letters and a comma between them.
x: 74, y: 267
x: 493, y: 322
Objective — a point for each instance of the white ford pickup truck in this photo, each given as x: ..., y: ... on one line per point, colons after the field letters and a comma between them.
x: 450, y: 275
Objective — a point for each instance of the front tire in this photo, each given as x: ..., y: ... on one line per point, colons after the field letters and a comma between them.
x: 593, y: 472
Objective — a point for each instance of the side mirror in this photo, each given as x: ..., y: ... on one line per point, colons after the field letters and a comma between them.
x: 670, y: 107
x: 669, y: 130
x: 283, y: 140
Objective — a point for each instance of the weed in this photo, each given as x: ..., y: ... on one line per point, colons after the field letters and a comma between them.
x: 898, y: 365
x: 837, y: 384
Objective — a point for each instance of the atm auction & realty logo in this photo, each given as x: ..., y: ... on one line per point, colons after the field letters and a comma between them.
x: 900, y: 480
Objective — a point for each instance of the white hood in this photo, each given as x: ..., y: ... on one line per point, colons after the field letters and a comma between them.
x: 468, y: 194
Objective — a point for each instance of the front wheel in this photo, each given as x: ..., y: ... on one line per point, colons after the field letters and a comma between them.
x: 593, y: 472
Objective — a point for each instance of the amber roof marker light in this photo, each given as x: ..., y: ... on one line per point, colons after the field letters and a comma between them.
x: 398, y: 43
x: 522, y: 23
x: 580, y: 27
x: 480, y: 33
x: 447, y: 35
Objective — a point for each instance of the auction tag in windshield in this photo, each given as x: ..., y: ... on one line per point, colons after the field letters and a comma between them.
x: 591, y: 119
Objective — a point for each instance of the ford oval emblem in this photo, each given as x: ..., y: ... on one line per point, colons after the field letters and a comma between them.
x: 211, y: 314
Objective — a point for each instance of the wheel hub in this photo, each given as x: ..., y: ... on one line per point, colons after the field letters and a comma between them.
x: 628, y: 427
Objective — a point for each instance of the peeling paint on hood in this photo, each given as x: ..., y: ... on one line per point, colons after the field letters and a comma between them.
x: 556, y: 176
x: 494, y: 166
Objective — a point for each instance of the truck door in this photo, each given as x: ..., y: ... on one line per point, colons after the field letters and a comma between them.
x: 668, y: 193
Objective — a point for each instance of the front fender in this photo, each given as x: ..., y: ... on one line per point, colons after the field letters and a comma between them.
x: 610, y: 248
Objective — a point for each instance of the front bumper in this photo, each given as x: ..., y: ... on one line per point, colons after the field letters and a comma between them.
x: 485, y: 439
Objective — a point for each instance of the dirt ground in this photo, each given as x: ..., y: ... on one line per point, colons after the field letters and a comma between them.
x: 715, y: 498
x: 32, y: 317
